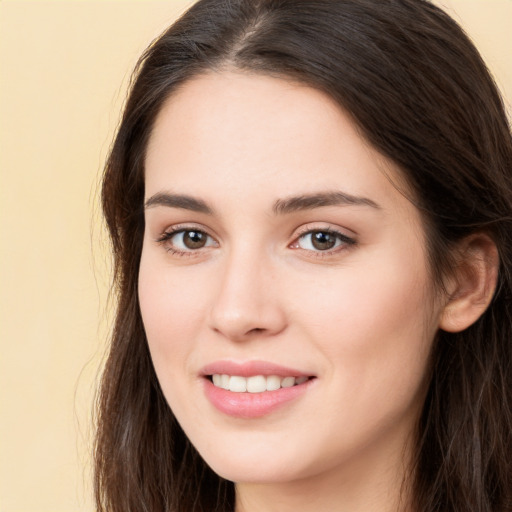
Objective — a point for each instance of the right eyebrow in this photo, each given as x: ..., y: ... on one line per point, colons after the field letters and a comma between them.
x: 178, y: 201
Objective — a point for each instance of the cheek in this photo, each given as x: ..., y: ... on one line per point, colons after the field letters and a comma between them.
x: 375, y: 326
x: 365, y: 303
x: 372, y: 331
x: 171, y: 311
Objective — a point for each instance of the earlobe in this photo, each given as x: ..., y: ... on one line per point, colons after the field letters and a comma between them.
x: 474, y: 284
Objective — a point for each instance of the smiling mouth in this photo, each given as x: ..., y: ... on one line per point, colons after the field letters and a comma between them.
x: 256, y: 383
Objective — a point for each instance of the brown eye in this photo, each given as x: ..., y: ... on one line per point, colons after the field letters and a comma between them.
x: 187, y: 240
x: 319, y: 240
x: 322, y: 240
x: 194, y: 239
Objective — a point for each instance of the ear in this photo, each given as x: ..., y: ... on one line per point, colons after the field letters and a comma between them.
x: 472, y: 287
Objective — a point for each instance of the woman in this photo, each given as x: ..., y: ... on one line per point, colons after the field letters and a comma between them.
x: 310, y: 205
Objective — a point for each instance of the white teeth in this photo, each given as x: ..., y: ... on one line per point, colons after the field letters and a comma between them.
x: 256, y: 383
x: 288, y: 382
x: 224, y: 381
x: 273, y: 382
x: 237, y: 384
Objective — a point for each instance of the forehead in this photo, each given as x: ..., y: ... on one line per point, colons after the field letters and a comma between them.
x: 247, y: 132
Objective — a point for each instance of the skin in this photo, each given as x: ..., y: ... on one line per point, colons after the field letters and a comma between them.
x: 360, y: 317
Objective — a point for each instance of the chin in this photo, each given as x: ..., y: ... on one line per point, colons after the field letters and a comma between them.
x: 251, y: 462
x: 254, y: 472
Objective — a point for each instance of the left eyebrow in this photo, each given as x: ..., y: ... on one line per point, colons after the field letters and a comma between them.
x: 317, y: 200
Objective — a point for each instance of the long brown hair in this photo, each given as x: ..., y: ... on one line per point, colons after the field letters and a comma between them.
x: 420, y: 93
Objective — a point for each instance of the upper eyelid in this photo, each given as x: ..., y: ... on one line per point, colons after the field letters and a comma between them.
x: 302, y: 230
x: 296, y: 233
x: 165, y: 239
x: 342, y: 236
x: 311, y: 227
x: 168, y: 233
x: 176, y: 228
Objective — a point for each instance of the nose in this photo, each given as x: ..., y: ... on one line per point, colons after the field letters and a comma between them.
x: 248, y: 303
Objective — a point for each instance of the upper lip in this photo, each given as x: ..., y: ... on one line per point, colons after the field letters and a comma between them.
x: 251, y: 368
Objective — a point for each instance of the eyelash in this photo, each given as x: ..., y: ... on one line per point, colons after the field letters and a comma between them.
x: 172, y: 232
x: 345, y: 242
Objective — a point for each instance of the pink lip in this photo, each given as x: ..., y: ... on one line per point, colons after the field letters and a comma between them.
x: 251, y: 368
x: 251, y: 405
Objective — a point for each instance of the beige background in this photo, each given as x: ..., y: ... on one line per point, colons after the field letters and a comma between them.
x: 64, y: 66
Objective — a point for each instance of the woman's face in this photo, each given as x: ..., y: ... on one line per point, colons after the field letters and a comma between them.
x: 278, y: 256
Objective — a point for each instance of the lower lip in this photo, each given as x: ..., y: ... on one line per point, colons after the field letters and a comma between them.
x: 252, y: 405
